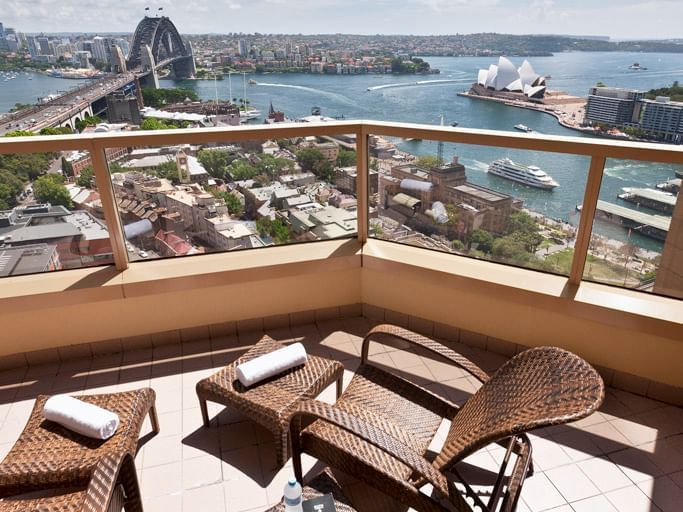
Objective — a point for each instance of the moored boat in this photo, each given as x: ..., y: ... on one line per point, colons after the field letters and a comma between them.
x: 531, y: 175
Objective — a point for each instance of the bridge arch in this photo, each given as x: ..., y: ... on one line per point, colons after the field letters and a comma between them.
x: 163, y: 38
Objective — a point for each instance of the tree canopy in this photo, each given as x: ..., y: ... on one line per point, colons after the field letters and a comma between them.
x: 50, y: 189
x: 86, y: 177
x: 313, y: 160
x: 215, y: 161
x: 159, y: 97
x: 346, y: 158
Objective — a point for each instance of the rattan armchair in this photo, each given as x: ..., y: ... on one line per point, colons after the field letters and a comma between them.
x: 381, y: 427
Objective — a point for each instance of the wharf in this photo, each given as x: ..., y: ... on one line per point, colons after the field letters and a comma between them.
x: 673, y: 185
x: 654, y: 199
x: 654, y: 226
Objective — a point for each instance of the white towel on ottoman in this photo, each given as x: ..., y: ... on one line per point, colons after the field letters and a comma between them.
x: 82, y: 417
x: 270, y: 364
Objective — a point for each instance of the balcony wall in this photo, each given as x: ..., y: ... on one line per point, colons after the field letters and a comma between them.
x: 637, y: 335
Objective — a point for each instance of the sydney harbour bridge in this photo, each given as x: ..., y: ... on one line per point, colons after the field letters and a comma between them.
x: 156, y: 44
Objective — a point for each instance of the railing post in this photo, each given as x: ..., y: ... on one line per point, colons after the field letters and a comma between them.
x: 362, y: 195
x: 111, y: 214
x: 590, y: 202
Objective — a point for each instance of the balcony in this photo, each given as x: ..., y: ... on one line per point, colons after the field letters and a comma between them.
x: 169, y: 322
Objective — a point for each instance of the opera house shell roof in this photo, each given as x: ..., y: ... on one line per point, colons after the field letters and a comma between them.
x: 504, y: 77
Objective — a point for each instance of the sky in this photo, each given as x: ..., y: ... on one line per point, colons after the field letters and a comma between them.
x: 621, y: 19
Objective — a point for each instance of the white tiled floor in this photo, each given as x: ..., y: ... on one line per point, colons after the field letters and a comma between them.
x: 626, y: 457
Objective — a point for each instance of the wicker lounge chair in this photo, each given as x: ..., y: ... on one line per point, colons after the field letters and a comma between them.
x: 113, y: 486
x: 381, y: 427
x: 49, y: 456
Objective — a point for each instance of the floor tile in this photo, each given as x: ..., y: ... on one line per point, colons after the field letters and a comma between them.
x: 664, y: 492
x: 572, y: 483
x: 595, y: 504
x: 205, y: 499
x: 631, y: 499
x: 540, y: 494
x: 604, y: 474
x: 161, y: 480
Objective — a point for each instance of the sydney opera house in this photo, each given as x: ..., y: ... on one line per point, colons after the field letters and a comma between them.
x: 504, y: 80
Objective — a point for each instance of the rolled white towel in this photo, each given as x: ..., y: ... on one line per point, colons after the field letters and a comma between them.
x: 270, y: 364
x: 82, y: 417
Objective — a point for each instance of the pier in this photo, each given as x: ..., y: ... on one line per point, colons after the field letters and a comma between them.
x: 654, y: 199
x: 654, y: 226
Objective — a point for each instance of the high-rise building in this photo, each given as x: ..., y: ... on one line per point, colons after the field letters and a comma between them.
x: 243, y: 47
x: 664, y: 118
x: 123, y: 44
x: 43, y: 44
x: 101, y: 48
x: 2, y: 30
x: 33, y: 47
x: 613, y: 106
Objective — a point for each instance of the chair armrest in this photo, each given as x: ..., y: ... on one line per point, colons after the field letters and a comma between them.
x: 313, y: 409
x: 423, y: 342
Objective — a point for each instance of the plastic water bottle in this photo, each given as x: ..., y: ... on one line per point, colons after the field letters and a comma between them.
x: 293, y: 496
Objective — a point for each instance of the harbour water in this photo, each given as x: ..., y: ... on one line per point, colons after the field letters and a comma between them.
x: 406, y: 100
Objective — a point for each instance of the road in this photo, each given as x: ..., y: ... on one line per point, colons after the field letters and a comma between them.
x: 54, y: 111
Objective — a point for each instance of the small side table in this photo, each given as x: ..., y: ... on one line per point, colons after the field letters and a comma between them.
x: 322, y: 484
x: 272, y: 402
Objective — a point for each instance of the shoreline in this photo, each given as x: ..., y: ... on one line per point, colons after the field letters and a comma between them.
x: 560, y: 116
x: 533, y: 106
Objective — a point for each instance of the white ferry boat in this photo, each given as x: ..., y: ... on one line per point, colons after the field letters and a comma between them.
x: 523, y: 128
x: 532, y: 175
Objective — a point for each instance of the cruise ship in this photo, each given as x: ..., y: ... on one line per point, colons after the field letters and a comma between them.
x: 532, y: 175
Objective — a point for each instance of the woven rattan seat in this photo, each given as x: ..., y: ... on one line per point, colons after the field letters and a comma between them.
x: 380, y: 428
x: 49, y: 456
x: 272, y: 402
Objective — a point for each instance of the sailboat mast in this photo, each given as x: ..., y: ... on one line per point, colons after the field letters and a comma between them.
x: 244, y: 84
x: 230, y: 84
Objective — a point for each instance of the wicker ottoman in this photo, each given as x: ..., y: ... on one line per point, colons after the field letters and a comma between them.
x: 271, y: 402
x: 324, y: 483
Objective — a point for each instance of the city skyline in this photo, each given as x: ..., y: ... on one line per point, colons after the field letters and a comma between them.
x: 629, y: 19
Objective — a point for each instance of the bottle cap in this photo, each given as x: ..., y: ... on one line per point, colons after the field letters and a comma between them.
x: 291, y: 481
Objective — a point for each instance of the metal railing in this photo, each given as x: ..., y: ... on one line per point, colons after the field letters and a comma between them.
x: 598, y: 151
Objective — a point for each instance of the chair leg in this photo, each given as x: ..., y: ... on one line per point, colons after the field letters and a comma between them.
x: 295, y: 445
x: 340, y: 384
x: 281, y: 447
x: 131, y: 487
x: 205, y: 411
x: 154, y: 418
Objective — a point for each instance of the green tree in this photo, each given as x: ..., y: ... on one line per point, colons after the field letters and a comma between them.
x: 20, y: 133
x: 154, y: 124
x: 313, y: 160
x: 20, y: 106
x: 87, y: 121
x: 427, y: 161
x: 60, y: 130
x: 524, y: 228
x: 272, y: 166
x: 215, y: 161
x: 10, y: 188
x: 86, y: 177
x: 159, y: 97
x: 483, y: 240
x: 510, y: 250
x: 235, y: 206
x: 346, y: 158
x: 276, y: 229
x: 169, y: 171
x: 242, y: 170
x: 50, y: 189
